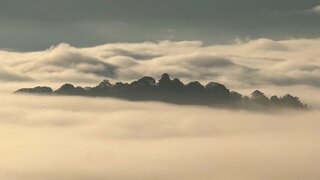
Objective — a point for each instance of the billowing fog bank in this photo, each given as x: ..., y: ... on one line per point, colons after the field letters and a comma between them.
x: 76, y: 138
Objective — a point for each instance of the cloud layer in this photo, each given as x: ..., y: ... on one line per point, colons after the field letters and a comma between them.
x: 74, y: 138
x: 36, y: 24
x: 242, y: 64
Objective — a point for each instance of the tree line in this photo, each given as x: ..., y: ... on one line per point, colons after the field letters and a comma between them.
x: 174, y: 91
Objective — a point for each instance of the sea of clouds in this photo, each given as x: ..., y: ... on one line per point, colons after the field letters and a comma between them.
x: 79, y: 138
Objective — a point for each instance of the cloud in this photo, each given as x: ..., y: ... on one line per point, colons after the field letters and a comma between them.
x: 44, y: 23
x: 11, y: 76
x: 316, y: 9
x: 72, y: 138
x: 245, y: 63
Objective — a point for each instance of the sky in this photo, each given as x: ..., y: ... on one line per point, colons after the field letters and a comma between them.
x: 38, y: 24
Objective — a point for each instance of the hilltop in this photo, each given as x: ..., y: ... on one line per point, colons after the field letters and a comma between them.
x: 174, y: 91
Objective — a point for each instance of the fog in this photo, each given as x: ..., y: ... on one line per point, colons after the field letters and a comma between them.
x: 77, y: 138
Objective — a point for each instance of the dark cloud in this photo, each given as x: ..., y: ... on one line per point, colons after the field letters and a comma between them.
x: 210, y: 61
x: 135, y: 55
x: 82, y: 63
x: 85, y: 23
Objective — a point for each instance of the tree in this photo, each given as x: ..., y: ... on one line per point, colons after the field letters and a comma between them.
x: 274, y: 100
x: 69, y: 89
x: 146, y: 82
x: 259, y: 97
x: 218, y: 90
x: 165, y: 81
x: 291, y: 101
x: 36, y: 90
x: 177, y: 84
x: 105, y: 84
x: 195, y: 86
x: 235, y: 96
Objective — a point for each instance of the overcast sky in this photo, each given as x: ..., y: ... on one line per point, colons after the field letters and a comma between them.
x: 38, y: 24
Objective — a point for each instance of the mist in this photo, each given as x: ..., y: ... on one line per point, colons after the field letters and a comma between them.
x: 78, y: 138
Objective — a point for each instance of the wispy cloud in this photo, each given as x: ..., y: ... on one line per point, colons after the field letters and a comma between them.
x: 316, y: 9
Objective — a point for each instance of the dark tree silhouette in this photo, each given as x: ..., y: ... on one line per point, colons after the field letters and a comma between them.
x: 177, y: 85
x: 217, y: 92
x: 69, y: 89
x: 218, y: 89
x: 274, y: 100
x: 165, y: 81
x: 291, y: 101
x: 147, y: 81
x: 36, y: 90
x: 259, y: 98
x: 175, y: 91
x: 235, y: 96
x: 103, y: 89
